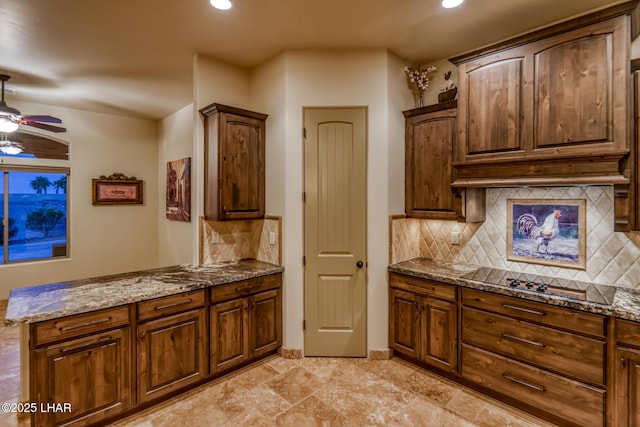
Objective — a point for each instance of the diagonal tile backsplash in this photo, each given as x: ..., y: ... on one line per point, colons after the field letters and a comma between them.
x: 240, y: 239
x: 612, y: 258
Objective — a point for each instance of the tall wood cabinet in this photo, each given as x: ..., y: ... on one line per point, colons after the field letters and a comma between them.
x: 234, y: 163
x: 547, y: 108
x: 430, y: 137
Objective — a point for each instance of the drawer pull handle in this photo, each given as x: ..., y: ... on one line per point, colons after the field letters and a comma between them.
x: 247, y: 289
x: 81, y: 346
x: 84, y: 325
x: 522, y: 340
x: 524, y: 383
x: 164, y: 307
x: 524, y: 310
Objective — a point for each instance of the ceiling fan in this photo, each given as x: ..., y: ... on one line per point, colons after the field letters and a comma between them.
x: 11, y: 119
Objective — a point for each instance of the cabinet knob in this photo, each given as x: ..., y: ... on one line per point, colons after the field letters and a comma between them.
x: 359, y: 264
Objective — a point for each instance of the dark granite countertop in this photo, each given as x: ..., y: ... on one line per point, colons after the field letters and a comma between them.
x: 51, y: 301
x: 611, y: 300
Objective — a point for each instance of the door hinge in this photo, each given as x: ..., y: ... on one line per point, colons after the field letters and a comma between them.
x: 304, y: 197
x: 304, y: 133
x: 304, y: 325
x: 304, y: 261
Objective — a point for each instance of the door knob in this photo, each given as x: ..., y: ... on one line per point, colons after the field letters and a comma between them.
x: 359, y: 264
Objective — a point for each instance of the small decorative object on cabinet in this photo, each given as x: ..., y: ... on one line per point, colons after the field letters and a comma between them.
x: 117, y: 189
x: 234, y: 163
x: 430, y: 135
x: 449, y: 90
x: 419, y: 79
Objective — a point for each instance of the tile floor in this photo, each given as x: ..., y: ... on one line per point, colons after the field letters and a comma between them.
x: 306, y: 392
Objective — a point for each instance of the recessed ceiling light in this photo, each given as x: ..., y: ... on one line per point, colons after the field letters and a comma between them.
x: 450, y: 3
x: 221, y: 4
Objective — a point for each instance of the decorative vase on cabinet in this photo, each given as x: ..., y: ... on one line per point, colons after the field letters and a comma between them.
x: 234, y: 163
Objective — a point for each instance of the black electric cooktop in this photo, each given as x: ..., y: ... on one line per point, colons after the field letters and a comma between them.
x: 533, y: 284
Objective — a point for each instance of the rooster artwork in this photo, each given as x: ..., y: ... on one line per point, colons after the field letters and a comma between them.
x: 547, y: 231
x: 528, y: 225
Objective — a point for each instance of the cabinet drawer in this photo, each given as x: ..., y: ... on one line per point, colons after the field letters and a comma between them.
x: 80, y: 324
x: 245, y: 287
x: 423, y: 286
x: 576, y: 356
x: 168, y: 305
x: 587, y: 323
x: 628, y: 332
x: 572, y: 400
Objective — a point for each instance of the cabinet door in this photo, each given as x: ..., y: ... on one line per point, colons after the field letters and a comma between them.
x: 627, y: 387
x: 265, y: 322
x: 171, y: 353
x: 580, y: 86
x: 91, y: 374
x: 242, y: 167
x: 404, y: 322
x: 493, y: 104
x: 229, y: 341
x: 440, y: 342
x: 428, y: 170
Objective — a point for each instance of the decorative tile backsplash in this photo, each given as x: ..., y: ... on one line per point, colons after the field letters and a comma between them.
x: 240, y: 239
x: 612, y: 258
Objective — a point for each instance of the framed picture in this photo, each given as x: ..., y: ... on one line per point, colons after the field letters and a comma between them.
x: 117, y: 191
x: 549, y: 232
x: 179, y: 190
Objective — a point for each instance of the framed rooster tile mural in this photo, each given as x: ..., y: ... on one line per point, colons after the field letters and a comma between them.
x: 549, y: 232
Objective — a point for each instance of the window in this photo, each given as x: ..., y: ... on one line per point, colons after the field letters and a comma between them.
x: 34, y: 215
x: 33, y: 198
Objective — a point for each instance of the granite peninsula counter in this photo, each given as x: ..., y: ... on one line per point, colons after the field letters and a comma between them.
x: 45, y: 302
x: 107, y: 346
x: 617, y: 301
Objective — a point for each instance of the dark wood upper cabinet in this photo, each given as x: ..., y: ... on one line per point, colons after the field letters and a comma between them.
x: 430, y: 136
x: 234, y: 163
x: 547, y: 108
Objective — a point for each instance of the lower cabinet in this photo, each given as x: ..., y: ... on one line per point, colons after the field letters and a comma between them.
x: 627, y: 374
x: 244, y: 329
x: 548, y: 358
x: 171, y: 353
x: 92, y: 368
x: 423, y: 327
x: 90, y: 374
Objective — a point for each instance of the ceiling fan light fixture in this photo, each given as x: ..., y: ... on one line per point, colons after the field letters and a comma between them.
x: 221, y: 4
x: 7, y: 125
x: 450, y: 4
x: 11, y: 149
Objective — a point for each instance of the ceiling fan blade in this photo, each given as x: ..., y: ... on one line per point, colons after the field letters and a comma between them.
x: 46, y: 119
x: 46, y: 127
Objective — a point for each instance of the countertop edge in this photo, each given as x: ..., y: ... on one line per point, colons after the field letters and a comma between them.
x: 212, y: 276
x: 626, y: 303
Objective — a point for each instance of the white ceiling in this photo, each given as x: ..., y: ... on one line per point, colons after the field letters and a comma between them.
x: 134, y: 57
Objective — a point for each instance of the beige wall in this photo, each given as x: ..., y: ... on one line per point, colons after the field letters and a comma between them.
x: 283, y: 86
x: 175, y: 238
x: 103, y: 239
